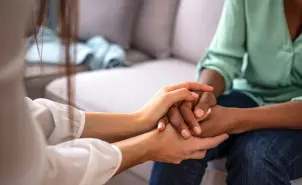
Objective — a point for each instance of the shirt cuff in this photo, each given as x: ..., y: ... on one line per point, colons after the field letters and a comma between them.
x: 297, y: 98
x: 120, y: 158
x: 81, y: 124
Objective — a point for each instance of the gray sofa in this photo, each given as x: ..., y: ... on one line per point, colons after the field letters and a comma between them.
x: 168, y: 38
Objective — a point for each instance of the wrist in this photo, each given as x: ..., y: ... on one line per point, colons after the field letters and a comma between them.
x: 149, y: 145
x: 144, y: 121
x: 137, y: 150
x: 239, y: 117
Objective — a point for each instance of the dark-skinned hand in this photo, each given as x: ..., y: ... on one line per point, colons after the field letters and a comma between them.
x: 184, y: 116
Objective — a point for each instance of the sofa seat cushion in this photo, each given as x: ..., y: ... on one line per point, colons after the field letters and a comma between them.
x: 37, y: 77
x: 122, y: 89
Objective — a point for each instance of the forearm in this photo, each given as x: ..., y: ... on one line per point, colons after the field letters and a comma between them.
x: 136, y: 150
x: 286, y: 115
x: 214, y: 79
x: 113, y: 127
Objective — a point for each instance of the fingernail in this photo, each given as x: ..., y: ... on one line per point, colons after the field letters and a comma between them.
x: 186, y: 134
x: 160, y: 127
x: 209, y: 111
x: 195, y: 95
x: 199, y: 112
x: 197, y: 130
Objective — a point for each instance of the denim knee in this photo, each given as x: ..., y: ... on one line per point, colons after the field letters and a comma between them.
x: 255, y: 158
x: 254, y: 152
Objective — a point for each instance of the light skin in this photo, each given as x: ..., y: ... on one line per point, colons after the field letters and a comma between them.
x: 284, y: 115
x: 138, y: 140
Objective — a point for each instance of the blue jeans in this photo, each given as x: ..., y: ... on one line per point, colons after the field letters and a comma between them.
x: 264, y: 157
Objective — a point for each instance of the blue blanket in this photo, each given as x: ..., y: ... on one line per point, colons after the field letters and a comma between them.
x: 97, y: 52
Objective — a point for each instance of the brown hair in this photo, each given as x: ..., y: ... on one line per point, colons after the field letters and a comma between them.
x: 68, y: 31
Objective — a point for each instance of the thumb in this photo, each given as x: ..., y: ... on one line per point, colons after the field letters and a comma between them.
x: 211, y: 142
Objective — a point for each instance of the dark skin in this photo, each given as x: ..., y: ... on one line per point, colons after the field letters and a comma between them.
x: 193, y: 117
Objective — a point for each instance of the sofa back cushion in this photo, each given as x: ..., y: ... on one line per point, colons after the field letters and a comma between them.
x: 112, y: 19
x: 195, y: 26
x: 154, y: 26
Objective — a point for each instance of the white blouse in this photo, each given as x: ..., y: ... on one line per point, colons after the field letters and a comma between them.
x: 38, y: 146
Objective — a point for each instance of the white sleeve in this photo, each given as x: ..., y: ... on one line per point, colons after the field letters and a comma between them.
x: 25, y: 156
x: 71, y: 160
x: 54, y: 120
x: 80, y: 161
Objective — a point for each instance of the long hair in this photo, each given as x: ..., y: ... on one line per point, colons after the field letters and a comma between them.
x: 67, y: 29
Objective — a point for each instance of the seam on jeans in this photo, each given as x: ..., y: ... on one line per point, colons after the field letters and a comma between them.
x: 285, y: 165
x: 292, y: 161
x: 266, y: 150
x: 274, y: 159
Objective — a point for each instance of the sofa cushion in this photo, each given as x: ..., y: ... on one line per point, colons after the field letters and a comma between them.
x: 37, y: 77
x: 153, y: 30
x: 111, y: 19
x: 122, y: 89
x: 195, y: 25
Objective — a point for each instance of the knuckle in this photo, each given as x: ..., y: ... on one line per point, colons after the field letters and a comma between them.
x: 173, y: 110
x: 165, y: 96
x: 184, y: 90
x: 185, y: 84
x: 174, y: 121
x: 209, y: 98
x: 205, y: 101
x: 185, y: 106
x: 189, y: 121
x: 165, y: 89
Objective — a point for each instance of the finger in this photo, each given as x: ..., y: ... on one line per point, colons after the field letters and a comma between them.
x: 211, y: 142
x: 198, y: 155
x: 189, y: 118
x: 205, y: 116
x: 179, y: 95
x: 161, y: 126
x: 190, y: 86
x: 205, y: 101
x: 178, y: 123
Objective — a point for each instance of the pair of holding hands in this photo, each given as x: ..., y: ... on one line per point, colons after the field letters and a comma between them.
x: 200, y: 117
x: 177, y: 111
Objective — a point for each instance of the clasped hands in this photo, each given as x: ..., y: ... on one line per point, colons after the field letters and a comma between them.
x: 188, y: 123
x: 199, y: 118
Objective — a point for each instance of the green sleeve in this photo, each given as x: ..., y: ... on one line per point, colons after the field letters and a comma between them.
x: 297, y: 98
x: 226, y: 52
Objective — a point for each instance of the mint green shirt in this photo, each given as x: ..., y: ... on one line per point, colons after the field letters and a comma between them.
x: 253, y: 50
